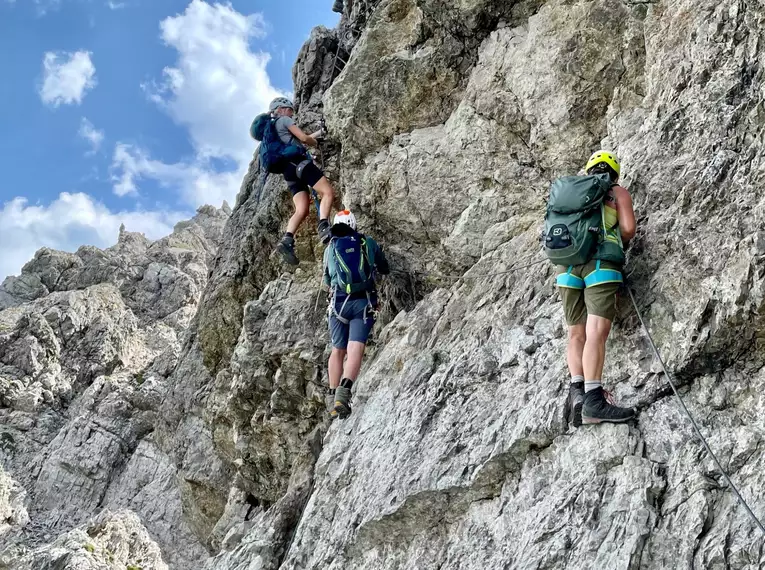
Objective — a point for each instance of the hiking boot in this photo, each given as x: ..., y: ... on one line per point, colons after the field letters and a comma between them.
x: 329, y: 397
x: 342, y: 402
x: 338, y: 6
x: 286, y: 248
x: 574, y: 403
x: 325, y: 232
x: 597, y: 409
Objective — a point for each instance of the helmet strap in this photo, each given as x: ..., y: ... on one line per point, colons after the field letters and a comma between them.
x: 603, y: 168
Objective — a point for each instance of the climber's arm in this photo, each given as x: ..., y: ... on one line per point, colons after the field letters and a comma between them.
x: 381, y: 263
x: 300, y: 135
x: 625, y: 213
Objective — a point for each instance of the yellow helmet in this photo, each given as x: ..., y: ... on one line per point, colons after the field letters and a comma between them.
x: 603, y: 156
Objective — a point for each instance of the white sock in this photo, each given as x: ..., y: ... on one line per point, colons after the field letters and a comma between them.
x: 575, y: 379
x: 590, y: 385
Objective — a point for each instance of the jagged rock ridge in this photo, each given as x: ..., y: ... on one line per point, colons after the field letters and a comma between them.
x: 87, y: 342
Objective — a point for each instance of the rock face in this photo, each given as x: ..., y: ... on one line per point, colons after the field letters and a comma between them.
x: 448, y: 123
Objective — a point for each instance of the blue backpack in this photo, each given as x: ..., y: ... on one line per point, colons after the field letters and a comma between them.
x: 274, y: 153
x: 354, y: 263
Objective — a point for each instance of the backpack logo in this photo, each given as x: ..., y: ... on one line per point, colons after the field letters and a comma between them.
x: 557, y: 231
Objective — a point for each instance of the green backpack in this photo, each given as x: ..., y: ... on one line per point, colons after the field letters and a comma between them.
x: 574, y: 218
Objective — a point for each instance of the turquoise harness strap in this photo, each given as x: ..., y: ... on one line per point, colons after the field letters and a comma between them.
x: 601, y: 276
x: 569, y: 281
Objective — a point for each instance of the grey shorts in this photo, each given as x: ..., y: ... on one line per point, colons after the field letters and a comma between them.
x: 359, y: 327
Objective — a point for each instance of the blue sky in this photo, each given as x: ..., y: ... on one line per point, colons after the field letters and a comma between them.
x: 133, y: 111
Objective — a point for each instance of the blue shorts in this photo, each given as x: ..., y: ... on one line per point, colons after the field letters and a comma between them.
x: 357, y: 330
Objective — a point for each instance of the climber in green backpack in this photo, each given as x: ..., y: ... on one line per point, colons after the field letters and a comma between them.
x: 589, y: 220
x: 282, y: 151
x: 350, y: 263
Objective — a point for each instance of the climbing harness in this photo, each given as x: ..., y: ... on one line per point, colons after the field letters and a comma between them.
x: 333, y: 312
x: 690, y: 416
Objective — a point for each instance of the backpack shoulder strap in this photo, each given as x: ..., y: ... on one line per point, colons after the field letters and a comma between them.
x: 339, y: 261
x: 328, y: 264
x: 369, y: 247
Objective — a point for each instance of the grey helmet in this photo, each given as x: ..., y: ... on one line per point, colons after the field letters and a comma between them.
x: 280, y: 102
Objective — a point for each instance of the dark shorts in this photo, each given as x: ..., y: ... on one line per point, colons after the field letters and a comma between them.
x: 358, y: 329
x: 310, y: 175
x: 589, y: 289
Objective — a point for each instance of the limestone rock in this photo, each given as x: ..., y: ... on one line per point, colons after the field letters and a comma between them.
x: 13, y: 512
x: 114, y: 541
x: 183, y: 379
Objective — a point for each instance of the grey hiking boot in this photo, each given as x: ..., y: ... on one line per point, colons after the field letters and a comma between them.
x: 597, y: 409
x: 325, y: 232
x: 286, y: 248
x: 342, y: 402
x: 329, y: 397
x: 338, y: 6
x: 574, y: 403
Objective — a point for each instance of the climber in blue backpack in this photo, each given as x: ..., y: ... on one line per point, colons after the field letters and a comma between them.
x: 589, y: 220
x: 350, y: 263
x: 282, y: 151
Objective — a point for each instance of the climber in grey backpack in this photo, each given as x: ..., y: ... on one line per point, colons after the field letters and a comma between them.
x: 282, y: 151
x: 589, y: 220
x: 350, y: 263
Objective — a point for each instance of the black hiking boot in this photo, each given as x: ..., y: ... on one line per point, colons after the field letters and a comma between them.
x: 286, y: 248
x: 338, y: 6
x: 597, y: 409
x: 325, y: 232
x: 342, y: 402
x: 574, y: 403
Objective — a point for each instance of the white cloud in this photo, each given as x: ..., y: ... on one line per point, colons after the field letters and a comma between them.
x: 68, y: 76
x: 115, y: 5
x: 91, y: 134
x: 218, y: 84
x: 198, y: 183
x: 67, y: 223
x: 215, y: 88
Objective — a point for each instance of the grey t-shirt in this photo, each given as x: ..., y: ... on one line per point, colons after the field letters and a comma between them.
x: 282, y: 129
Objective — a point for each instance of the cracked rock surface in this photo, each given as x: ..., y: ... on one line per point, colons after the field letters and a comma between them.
x: 457, y: 454
x: 174, y: 390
